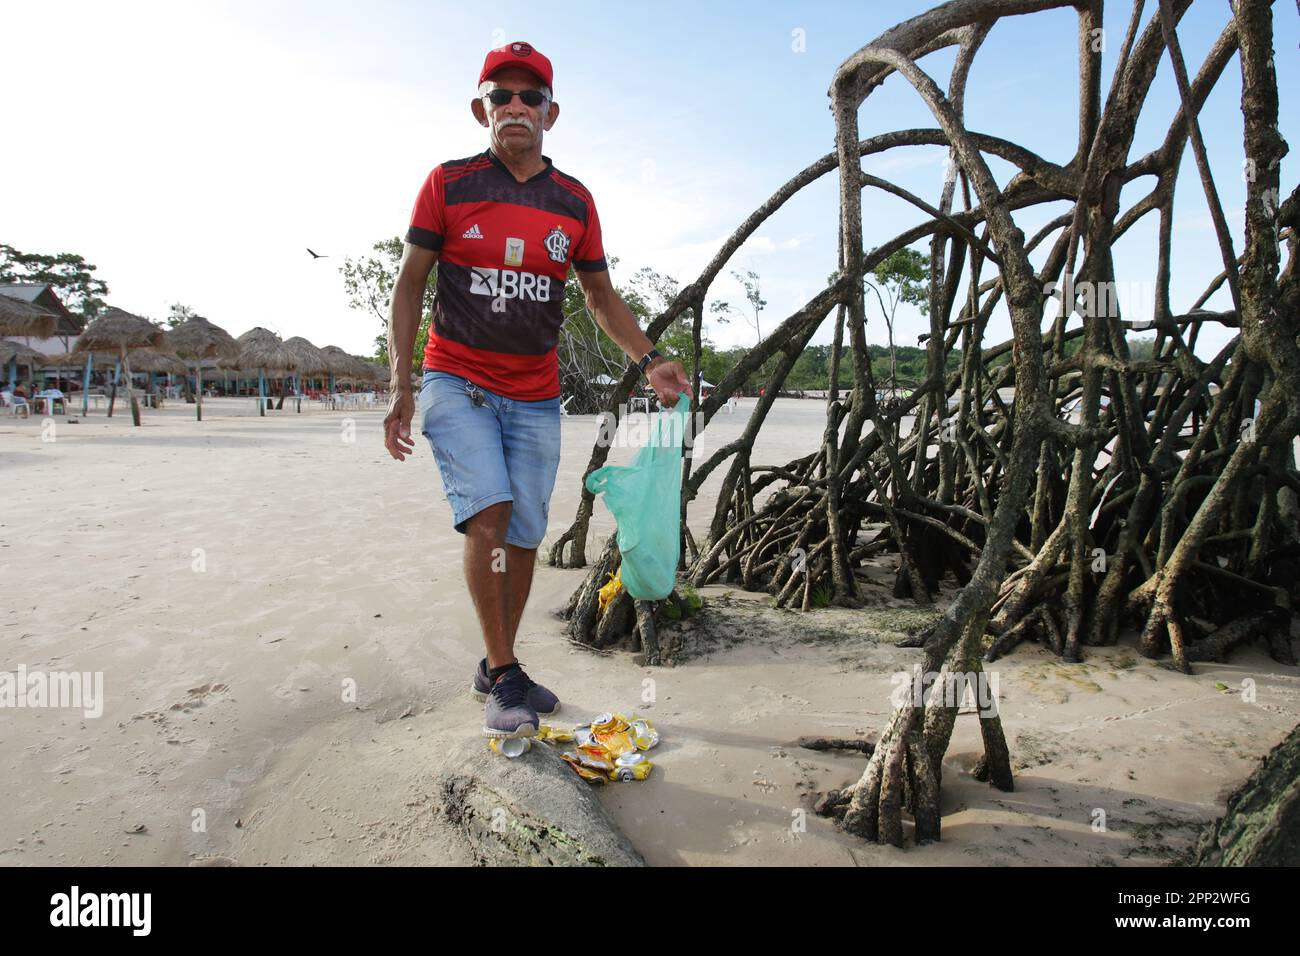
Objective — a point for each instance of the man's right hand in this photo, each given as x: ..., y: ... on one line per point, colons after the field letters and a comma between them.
x: 397, y: 424
x: 403, y: 322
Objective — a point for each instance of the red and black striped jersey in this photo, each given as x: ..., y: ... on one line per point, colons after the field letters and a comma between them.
x: 504, y: 252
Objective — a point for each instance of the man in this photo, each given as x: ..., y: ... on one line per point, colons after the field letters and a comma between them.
x: 503, y: 226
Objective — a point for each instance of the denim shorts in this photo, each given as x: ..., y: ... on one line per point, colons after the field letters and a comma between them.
x: 500, y: 450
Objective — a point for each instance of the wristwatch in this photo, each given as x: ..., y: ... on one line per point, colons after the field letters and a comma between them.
x: 647, y: 359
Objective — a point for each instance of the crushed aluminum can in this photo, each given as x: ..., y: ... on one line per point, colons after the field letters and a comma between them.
x: 586, y: 773
x: 510, y: 746
x: 609, y: 748
x: 629, y: 767
x: 596, y: 758
x: 553, y: 735
x: 616, y: 743
x: 644, y: 734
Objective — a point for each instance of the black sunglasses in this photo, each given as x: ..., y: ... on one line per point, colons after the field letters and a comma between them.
x: 500, y: 97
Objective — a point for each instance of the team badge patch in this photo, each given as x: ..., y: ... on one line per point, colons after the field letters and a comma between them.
x: 514, y: 252
x: 557, y: 245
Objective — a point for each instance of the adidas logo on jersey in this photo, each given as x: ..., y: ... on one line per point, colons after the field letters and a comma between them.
x: 472, y: 233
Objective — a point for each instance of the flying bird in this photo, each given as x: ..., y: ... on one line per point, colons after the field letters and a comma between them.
x: 317, y: 255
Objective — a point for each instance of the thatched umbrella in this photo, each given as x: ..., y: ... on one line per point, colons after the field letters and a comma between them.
x: 262, y: 349
x: 221, y: 370
x: 341, y: 365
x: 197, y: 339
x: 147, y: 360
x: 19, y: 317
x: 14, y: 354
x: 121, y: 331
x: 311, y: 361
x: 66, y: 360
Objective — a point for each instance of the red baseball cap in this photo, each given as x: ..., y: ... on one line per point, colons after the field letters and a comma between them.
x: 522, y: 55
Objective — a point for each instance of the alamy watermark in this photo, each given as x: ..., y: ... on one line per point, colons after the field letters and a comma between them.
x: 636, y: 431
x: 1108, y: 299
x: 70, y: 689
x: 977, y: 689
x: 75, y: 908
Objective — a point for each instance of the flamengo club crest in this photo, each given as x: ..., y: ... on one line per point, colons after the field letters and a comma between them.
x: 557, y: 244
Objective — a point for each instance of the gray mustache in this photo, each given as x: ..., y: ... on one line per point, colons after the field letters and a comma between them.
x: 515, y: 122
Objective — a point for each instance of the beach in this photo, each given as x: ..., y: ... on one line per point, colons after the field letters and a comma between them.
x: 279, y: 615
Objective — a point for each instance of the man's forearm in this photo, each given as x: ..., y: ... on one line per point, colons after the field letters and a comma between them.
x: 403, y: 324
x: 620, y: 325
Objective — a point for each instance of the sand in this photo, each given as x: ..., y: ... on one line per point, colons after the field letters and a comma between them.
x: 279, y: 615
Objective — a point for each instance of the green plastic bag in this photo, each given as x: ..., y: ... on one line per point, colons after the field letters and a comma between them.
x: 645, y: 498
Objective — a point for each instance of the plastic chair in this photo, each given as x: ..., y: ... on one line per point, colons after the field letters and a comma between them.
x: 16, y: 402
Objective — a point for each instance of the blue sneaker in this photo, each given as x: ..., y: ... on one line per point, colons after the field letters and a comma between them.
x: 508, y: 713
x: 539, y: 698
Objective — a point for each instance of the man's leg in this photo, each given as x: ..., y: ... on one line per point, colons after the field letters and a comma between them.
x: 499, y: 597
x: 485, y: 537
x: 521, y: 564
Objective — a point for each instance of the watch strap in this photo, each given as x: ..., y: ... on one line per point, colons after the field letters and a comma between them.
x: 647, y: 359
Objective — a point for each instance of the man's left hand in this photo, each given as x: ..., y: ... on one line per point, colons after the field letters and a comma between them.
x: 668, y: 379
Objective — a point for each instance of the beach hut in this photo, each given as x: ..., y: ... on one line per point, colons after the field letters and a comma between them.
x: 343, y: 366
x: 262, y: 349
x: 381, y: 376
x: 197, y: 339
x: 18, y: 317
x: 147, y: 360
x: 311, y: 361
x: 14, y: 354
x: 119, y: 331
x: 221, y: 371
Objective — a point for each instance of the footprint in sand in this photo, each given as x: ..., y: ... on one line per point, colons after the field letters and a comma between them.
x: 195, y: 697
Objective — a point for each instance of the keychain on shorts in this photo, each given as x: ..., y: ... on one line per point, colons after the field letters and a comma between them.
x: 475, y: 395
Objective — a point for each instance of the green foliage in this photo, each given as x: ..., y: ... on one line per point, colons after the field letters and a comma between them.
x: 902, y: 277
x: 369, y: 283
x: 820, y: 596
x: 693, y: 599
x: 1141, y: 350
x: 905, y: 277
x: 812, y: 370
x: 648, y: 295
x: 71, y: 276
x: 690, y: 605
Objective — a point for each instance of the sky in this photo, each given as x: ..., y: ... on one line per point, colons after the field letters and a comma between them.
x: 193, y: 151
